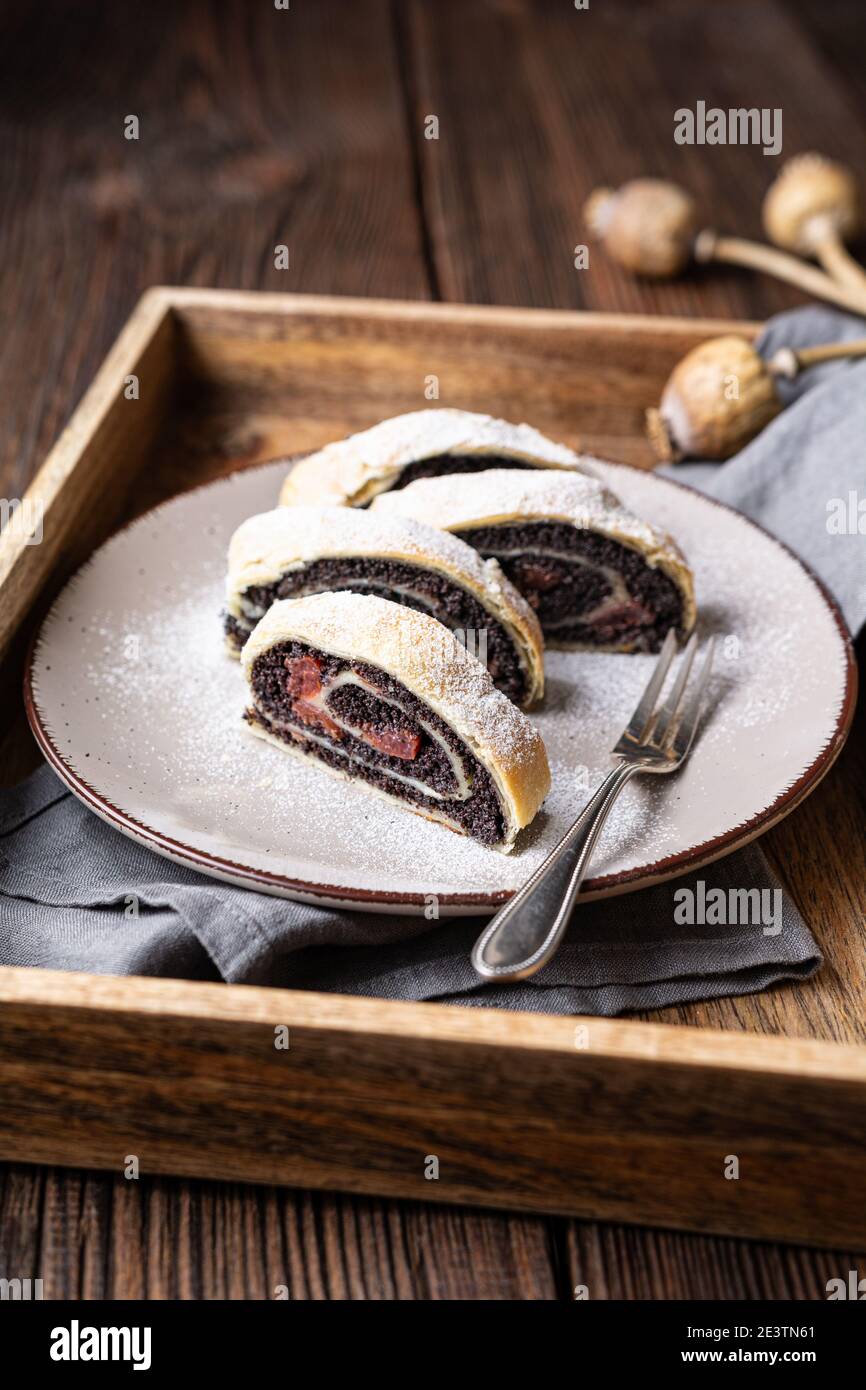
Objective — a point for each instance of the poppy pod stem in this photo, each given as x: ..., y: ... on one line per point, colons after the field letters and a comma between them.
x: 788, y: 362
x: 649, y: 226
x: 732, y: 250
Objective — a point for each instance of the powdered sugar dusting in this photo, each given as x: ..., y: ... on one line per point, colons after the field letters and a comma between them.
x: 133, y: 684
x: 455, y: 501
x: 424, y: 433
x: 341, y: 470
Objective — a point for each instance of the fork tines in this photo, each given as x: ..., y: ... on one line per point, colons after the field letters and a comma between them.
x: 670, y: 728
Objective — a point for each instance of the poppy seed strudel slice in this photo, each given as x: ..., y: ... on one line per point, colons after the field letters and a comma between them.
x: 596, y: 575
x: 423, y: 444
x: 296, y: 551
x: 386, y: 696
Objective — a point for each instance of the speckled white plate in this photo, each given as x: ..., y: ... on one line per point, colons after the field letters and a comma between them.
x: 136, y: 705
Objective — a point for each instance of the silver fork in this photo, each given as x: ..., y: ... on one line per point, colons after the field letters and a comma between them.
x: 526, y: 932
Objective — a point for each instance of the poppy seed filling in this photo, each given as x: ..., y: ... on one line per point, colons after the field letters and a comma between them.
x: 411, y: 585
x: 586, y: 589
x: 441, y: 464
x: 361, y: 721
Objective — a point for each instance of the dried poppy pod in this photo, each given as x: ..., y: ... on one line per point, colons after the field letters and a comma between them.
x: 649, y: 227
x: 716, y: 399
x: 813, y: 208
x: 722, y: 393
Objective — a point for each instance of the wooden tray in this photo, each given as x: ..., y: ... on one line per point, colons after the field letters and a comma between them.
x: 620, y: 1120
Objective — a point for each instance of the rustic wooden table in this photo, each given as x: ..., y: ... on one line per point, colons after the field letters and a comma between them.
x: 261, y: 126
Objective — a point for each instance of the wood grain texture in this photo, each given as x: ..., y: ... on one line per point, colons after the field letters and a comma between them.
x: 95, y: 1236
x: 283, y: 129
x: 257, y: 136
x: 617, y: 1263
x: 638, y: 1124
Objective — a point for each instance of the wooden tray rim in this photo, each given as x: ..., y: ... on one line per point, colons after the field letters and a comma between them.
x: 162, y: 299
x: 657, y: 1044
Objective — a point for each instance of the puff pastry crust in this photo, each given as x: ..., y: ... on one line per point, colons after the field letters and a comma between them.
x: 311, y: 663
x: 351, y: 472
x: 294, y: 551
x: 493, y: 509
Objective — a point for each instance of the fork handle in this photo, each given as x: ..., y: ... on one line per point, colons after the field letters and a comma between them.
x: 525, y: 933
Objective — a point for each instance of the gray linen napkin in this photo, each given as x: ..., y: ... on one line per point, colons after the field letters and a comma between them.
x: 77, y: 895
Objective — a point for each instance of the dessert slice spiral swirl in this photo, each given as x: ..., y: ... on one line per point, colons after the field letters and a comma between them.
x: 596, y: 575
x: 386, y: 697
x: 295, y: 551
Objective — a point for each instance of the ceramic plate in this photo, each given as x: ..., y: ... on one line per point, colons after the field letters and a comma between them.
x: 138, y: 708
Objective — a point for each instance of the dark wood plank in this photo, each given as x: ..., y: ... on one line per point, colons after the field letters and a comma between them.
x: 834, y: 32
x: 538, y: 103
x: 95, y: 1237
x: 618, y: 1262
x: 283, y: 128
x: 100, y: 1237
